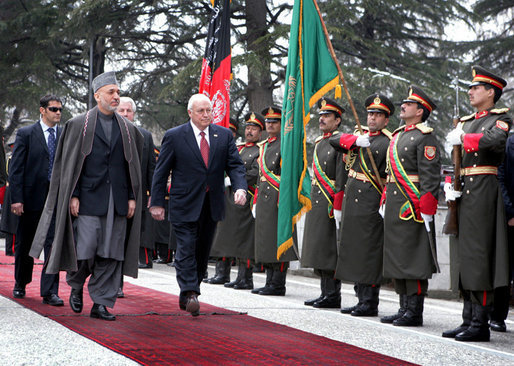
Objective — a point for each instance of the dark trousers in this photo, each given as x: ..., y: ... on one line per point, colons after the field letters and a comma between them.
x: 10, y: 240
x: 23, y: 263
x: 410, y: 287
x: 194, y: 240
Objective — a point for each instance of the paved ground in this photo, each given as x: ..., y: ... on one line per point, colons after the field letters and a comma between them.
x: 30, y: 339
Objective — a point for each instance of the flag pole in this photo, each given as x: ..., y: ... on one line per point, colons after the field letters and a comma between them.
x: 352, y: 106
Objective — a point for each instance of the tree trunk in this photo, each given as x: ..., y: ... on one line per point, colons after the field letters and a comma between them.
x: 260, y: 90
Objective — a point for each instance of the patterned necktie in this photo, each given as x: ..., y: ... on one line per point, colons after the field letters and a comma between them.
x: 204, y: 149
x: 51, y: 150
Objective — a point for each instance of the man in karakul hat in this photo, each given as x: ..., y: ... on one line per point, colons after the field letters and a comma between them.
x: 95, y: 188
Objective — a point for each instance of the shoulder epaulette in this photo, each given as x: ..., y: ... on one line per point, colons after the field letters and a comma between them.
x: 500, y: 110
x: 424, y: 128
x: 335, y: 132
x: 318, y: 139
x: 240, y: 144
x: 467, y: 118
x: 388, y: 133
x: 398, y: 129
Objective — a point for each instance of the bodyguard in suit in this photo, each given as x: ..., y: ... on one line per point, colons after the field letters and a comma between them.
x: 198, y: 154
x: 29, y: 180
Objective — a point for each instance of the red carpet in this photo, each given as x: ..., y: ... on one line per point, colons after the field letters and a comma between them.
x: 151, y: 330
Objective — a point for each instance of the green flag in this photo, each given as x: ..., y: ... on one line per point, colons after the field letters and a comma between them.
x: 311, y: 72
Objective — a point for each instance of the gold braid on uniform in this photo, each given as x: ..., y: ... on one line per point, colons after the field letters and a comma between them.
x: 350, y: 159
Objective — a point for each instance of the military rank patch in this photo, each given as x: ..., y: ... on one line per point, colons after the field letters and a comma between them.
x: 502, y: 125
x: 430, y: 152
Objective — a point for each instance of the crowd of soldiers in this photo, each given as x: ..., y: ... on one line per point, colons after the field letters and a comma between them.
x: 374, y: 197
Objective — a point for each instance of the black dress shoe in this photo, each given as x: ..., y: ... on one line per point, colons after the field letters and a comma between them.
x: 453, y: 332
x: 312, y: 301
x: 231, y: 284
x: 474, y: 334
x: 161, y: 261
x: 145, y: 265
x: 171, y: 264
x: 498, y: 326
x: 18, y: 292
x: 120, y: 294
x: 76, y: 300
x: 328, y: 303
x: 53, y: 300
x: 192, y: 304
x: 100, y: 312
x: 218, y: 280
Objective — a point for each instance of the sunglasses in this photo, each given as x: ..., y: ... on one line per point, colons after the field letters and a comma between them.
x: 54, y: 109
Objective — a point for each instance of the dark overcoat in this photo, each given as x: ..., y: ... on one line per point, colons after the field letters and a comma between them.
x: 74, y: 146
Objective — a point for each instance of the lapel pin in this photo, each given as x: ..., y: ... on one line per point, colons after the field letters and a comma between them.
x: 215, y: 135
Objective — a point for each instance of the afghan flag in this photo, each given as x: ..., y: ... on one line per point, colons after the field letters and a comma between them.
x: 311, y: 73
x: 216, y: 65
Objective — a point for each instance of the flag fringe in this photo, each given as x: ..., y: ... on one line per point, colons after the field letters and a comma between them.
x: 323, y: 90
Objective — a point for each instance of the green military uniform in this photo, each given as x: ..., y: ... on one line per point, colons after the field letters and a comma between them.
x: 266, y: 211
x: 319, y: 249
x: 412, y: 189
x: 235, y: 235
x: 481, y: 246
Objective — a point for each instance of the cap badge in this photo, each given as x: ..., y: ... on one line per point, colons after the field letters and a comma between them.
x: 270, y: 110
x: 473, y: 72
x: 377, y: 100
x: 323, y: 103
x: 252, y: 116
x: 410, y: 92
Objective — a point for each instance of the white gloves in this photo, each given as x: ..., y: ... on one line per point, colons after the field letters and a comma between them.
x: 227, y: 181
x: 454, y: 137
x: 451, y: 194
x: 382, y: 210
x: 337, y: 218
x: 428, y: 219
x: 362, y: 141
x: 253, y: 210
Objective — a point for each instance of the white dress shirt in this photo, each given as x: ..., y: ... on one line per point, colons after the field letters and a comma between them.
x: 198, y: 137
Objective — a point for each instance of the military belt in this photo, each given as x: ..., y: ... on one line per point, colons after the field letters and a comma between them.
x: 263, y: 178
x: 361, y: 176
x: 414, y: 178
x: 479, y: 170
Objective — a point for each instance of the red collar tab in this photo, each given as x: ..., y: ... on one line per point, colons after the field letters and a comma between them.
x: 272, y: 139
x: 481, y: 114
x: 249, y: 144
x: 376, y: 133
x: 327, y: 135
x: 410, y: 127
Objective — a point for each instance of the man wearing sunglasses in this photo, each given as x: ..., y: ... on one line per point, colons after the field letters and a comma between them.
x: 29, y: 180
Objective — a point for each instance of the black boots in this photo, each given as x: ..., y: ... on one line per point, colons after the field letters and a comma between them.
x: 478, y: 331
x: 466, y: 321
x: 413, y: 317
x: 401, y: 311
x: 331, y: 287
x: 368, y: 301
x: 269, y: 276
x: 222, y: 273
x: 278, y: 284
x: 238, y: 279
x: 349, y: 310
x: 246, y: 282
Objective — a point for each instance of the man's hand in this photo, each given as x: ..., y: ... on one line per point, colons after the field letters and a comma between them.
x: 337, y: 218
x: 427, y: 219
x: 74, y: 206
x: 131, y: 208
x: 362, y: 141
x: 149, y: 200
x: 454, y: 137
x: 157, y: 213
x: 17, y: 208
x: 240, y: 197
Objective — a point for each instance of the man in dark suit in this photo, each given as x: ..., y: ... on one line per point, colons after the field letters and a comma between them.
x: 29, y: 180
x: 198, y: 153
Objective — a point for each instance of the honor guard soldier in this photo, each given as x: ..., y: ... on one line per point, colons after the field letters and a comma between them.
x: 223, y: 246
x: 266, y: 209
x: 410, y: 205
x: 362, y: 228
x: 327, y: 193
x: 237, y: 231
x: 482, y: 247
